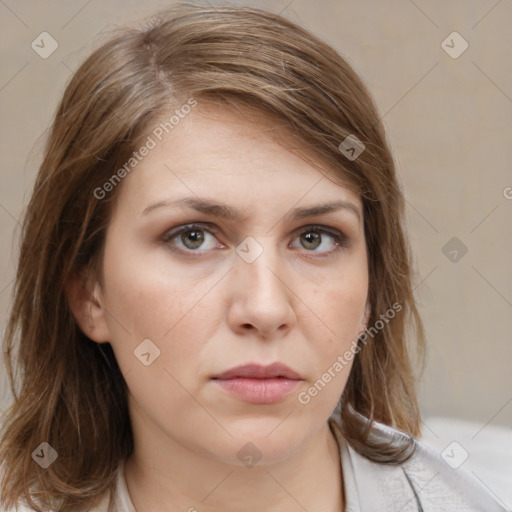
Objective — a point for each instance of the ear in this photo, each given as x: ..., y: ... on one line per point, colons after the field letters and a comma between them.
x: 366, y: 315
x: 85, y: 301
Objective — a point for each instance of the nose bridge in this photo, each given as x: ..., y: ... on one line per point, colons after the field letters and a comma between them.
x: 263, y: 273
x: 262, y: 298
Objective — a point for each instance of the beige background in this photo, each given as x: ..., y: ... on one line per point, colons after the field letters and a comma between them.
x: 449, y: 124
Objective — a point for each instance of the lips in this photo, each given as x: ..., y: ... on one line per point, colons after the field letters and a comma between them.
x: 256, y: 371
x: 257, y: 384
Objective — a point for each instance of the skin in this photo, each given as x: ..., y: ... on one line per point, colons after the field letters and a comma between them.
x: 209, y: 310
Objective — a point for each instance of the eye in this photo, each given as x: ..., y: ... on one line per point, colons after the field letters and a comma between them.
x: 321, y: 240
x: 191, y: 238
x: 198, y: 238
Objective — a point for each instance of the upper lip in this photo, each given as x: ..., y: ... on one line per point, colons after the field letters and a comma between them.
x: 258, y: 371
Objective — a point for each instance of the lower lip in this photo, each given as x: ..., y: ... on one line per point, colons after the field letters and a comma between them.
x: 259, y: 391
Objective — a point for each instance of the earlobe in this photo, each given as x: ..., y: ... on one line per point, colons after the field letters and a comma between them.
x: 84, y: 298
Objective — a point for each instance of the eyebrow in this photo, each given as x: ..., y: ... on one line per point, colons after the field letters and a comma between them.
x: 224, y: 211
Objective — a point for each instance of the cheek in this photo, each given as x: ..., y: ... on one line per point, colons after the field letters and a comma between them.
x: 150, y: 298
x: 173, y: 311
x: 165, y: 388
x: 335, y: 347
x: 337, y: 294
x: 339, y: 307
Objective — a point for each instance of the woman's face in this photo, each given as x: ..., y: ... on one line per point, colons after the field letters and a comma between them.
x: 213, y: 256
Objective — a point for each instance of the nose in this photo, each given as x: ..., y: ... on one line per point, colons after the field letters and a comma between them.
x: 261, y: 299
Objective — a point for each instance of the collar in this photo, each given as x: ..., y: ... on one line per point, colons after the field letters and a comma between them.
x: 372, y: 487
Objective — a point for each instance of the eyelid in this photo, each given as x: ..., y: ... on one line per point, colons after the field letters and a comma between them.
x: 206, y: 226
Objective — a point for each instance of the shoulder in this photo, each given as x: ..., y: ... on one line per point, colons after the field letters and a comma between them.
x: 441, y: 486
x: 22, y: 506
x: 425, y: 482
x: 102, y: 504
x: 19, y: 508
x: 120, y: 499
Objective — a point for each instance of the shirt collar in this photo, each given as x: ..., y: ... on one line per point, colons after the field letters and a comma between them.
x: 369, y: 486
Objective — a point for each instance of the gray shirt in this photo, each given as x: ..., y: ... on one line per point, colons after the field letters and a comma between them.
x: 424, y: 483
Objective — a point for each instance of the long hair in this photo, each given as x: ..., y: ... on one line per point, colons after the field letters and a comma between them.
x: 68, y: 390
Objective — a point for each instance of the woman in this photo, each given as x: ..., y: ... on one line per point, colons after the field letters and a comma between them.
x: 214, y: 287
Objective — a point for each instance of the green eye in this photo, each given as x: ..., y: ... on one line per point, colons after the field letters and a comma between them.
x: 192, y: 239
x: 196, y: 238
x: 320, y: 240
x: 311, y: 240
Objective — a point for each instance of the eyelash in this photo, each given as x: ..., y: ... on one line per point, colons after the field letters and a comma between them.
x: 340, y: 240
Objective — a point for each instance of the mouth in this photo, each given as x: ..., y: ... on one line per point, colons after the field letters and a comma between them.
x: 257, y: 371
x: 257, y: 384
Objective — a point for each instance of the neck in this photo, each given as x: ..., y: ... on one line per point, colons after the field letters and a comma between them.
x: 179, y: 478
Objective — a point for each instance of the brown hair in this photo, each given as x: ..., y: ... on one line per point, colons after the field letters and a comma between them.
x: 72, y: 393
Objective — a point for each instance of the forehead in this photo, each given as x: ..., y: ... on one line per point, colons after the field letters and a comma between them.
x: 236, y: 157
